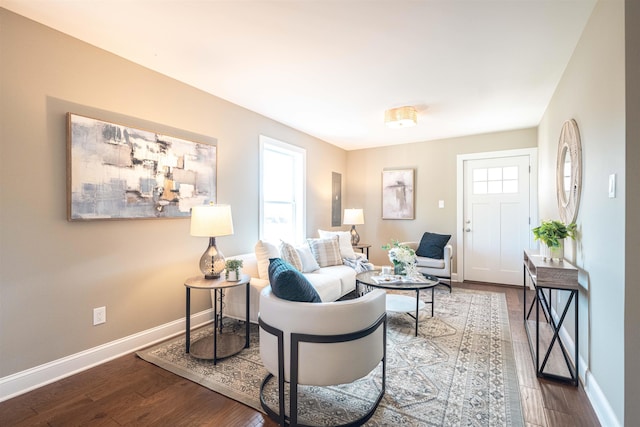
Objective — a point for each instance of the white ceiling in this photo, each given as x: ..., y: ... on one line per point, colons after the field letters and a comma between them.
x: 331, y: 67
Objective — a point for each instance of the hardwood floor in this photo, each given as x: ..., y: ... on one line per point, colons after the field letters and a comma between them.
x: 130, y: 391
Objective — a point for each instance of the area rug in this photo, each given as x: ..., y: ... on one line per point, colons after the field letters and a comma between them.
x: 459, y: 371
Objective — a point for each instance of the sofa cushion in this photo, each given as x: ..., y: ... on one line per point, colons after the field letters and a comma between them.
x: 326, y: 251
x: 264, y: 252
x: 429, y: 262
x: 288, y: 283
x: 432, y: 245
x: 345, y: 275
x: 309, y: 263
x: 344, y: 239
x: 289, y: 254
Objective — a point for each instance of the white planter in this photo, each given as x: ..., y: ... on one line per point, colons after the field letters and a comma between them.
x: 552, y: 254
x: 233, y: 276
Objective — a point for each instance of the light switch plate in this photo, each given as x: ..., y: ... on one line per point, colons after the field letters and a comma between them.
x: 612, y: 186
x: 441, y: 204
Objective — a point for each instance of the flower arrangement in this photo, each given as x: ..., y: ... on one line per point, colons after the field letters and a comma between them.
x: 402, y: 257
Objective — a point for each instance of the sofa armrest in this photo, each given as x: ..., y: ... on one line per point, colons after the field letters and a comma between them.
x: 448, y: 253
x: 249, y: 263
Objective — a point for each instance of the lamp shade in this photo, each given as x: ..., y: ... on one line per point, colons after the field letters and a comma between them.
x: 211, y: 220
x: 353, y: 216
x: 401, y: 117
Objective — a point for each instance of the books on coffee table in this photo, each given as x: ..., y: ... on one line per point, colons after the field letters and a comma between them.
x: 397, y: 279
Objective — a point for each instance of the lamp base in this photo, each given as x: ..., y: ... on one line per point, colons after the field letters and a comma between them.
x: 355, y: 238
x: 212, y: 261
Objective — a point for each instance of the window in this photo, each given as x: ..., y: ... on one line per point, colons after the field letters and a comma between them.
x: 282, y: 201
x: 495, y: 180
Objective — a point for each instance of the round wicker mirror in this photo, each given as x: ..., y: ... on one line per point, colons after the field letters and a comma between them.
x: 569, y: 171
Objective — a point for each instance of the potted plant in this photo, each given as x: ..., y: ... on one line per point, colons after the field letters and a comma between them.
x: 232, y: 273
x: 552, y: 234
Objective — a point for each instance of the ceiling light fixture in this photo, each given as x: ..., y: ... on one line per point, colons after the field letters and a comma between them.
x: 401, y: 117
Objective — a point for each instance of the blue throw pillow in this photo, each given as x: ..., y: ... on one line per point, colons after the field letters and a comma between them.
x: 288, y: 283
x: 432, y: 245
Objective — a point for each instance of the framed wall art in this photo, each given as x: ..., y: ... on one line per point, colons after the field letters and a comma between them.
x: 119, y: 172
x: 398, y: 194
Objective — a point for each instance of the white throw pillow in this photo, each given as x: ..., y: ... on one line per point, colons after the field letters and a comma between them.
x: 264, y: 251
x: 309, y: 263
x: 326, y: 251
x: 288, y: 253
x: 344, y: 237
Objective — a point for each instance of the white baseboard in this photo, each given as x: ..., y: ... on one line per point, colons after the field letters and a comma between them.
x: 598, y: 400
x: 21, y: 382
x: 600, y: 403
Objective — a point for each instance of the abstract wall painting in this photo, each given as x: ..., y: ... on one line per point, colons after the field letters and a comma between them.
x: 398, y: 194
x: 120, y: 172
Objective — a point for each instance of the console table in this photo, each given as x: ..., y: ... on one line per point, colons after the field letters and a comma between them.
x: 547, y: 276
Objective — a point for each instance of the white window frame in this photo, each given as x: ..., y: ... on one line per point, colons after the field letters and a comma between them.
x: 300, y: 179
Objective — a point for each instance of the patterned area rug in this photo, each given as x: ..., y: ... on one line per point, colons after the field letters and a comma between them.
x: 459, y: 371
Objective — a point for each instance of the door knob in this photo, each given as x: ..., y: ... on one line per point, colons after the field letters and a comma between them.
x: 467, y: 230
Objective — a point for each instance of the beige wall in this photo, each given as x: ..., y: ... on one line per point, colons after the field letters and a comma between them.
x: 435, y: 166
x: 592, y: 91
x: 53, y: 273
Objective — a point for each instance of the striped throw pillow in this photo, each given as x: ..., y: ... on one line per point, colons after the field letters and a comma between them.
x: 289, y: 254
x: 326, y: 251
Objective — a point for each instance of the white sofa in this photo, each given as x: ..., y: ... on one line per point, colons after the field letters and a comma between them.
x: 331, y: 283
x: 440, y: 268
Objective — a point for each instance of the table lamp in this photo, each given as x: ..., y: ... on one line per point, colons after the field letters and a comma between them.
x: 211, y: 221
x: 353, y: 217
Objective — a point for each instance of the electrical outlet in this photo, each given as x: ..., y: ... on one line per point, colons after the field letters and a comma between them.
x: 99, y: 315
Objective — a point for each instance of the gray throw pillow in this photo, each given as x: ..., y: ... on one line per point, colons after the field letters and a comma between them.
x: 432, y: 245
x: 289, y: 284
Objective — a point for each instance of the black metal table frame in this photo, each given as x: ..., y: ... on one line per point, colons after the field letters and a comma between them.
x: 540, y: 300
x: 217, y: 319
x: 410, y: 287
x: 362, y: 247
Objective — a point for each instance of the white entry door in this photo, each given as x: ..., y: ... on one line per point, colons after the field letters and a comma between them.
x: 496, y: 218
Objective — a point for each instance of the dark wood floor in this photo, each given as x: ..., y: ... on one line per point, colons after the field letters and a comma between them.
x: 130, y: 391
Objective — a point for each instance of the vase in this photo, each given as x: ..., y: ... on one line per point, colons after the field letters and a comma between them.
x: 552, y: 253
x: 558, y: 253
x: 233, y: 276
x: 398, y: 268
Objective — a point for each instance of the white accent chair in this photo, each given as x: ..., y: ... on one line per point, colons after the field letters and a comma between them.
x: 320, y: 344
x: 441, y: 268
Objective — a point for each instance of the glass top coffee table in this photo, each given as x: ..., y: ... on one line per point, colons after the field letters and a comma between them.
x: 400, y: 303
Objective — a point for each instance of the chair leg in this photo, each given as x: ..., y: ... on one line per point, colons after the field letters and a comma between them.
x: 447, y: 284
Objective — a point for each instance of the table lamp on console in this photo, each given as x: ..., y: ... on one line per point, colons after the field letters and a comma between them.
x: 211, y: 221
x: 353, y: 217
